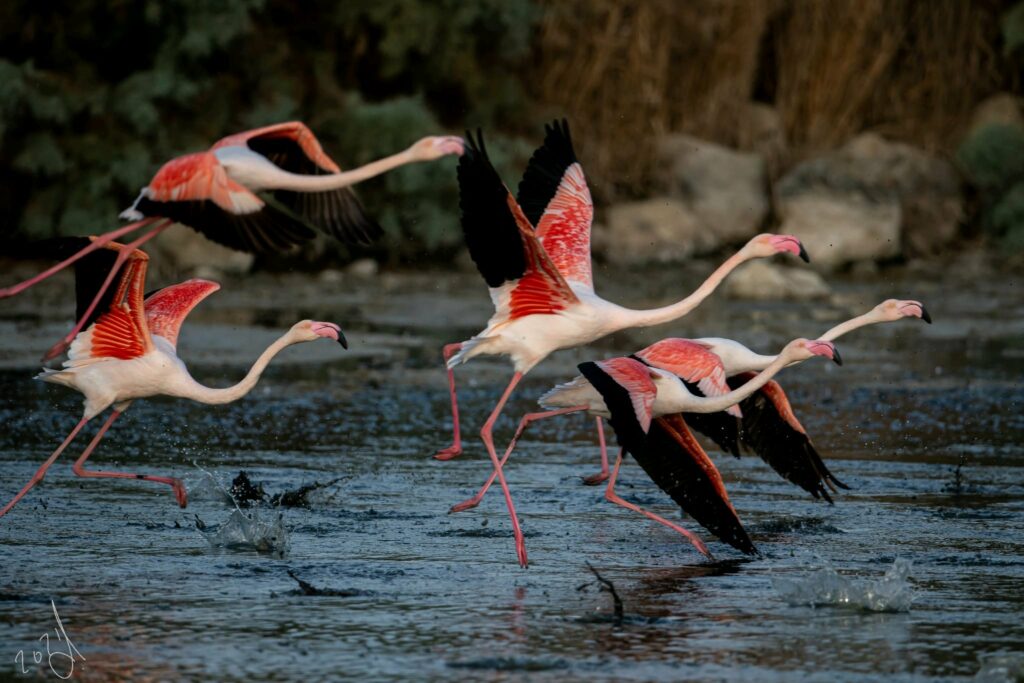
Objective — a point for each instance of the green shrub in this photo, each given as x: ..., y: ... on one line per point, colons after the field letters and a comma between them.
x: 992, y: 156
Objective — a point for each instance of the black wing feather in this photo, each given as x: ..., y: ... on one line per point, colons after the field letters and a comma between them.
x: 91, y: 272
x: 545, y: 171
x: 488, y: 225
x: 788, y: 451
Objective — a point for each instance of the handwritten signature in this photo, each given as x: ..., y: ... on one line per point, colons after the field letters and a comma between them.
x: 61, y: 663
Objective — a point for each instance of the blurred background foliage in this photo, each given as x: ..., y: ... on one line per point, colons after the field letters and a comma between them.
x: 94, y: 95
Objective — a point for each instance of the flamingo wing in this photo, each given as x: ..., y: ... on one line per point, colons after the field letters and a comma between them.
x: 675, y: 461
x: 502, y: 243
x: 117, y: 328
x: 293, y: 147
x: 691, y: 362
x: 771, y: 429
x: 167, y: 308
x: 628, y: 390
x: 555, y: 198
x: 195, y: 190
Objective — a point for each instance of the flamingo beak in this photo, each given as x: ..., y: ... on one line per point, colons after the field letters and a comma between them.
x: 803, y: 254
x: 331, y: 331
x: 790, y: 244
x: 908, y: 309
x: 836, y: 358
x: 826, y: 349
x: 925, y: 316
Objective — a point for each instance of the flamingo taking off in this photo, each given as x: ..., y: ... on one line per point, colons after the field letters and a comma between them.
x: 540, y: 280
x: 215, y: 193
x: 604, y: 387
x: 128, y: 351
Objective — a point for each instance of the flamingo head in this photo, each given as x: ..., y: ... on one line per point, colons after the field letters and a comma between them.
x: 768, y: 244
x: 894, y: 309
x: 802, y: 349
x: 437, y: 146
x: 311, y: 330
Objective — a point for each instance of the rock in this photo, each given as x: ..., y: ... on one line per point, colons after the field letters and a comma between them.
x: 724, y: 189
x: 869, y: 176
x: 763, y: 280
x: 364, y: 267
x: 653, y: 230
x: 1001, y: 108
x: 182, y: 249
x: 762, y: 133
x: 330, y: 276
x: 842, y: 227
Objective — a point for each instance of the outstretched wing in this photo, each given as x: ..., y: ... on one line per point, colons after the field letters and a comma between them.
x: 691, y: 362
x: 772, y: 431
x: 628, y: 391
x: 118, y: 327
x: 501, y: 242
x: 293, y: 147
x: 167, y: 308
x: 674, y: 460
x: 196, y: 191
x: 555, y: 198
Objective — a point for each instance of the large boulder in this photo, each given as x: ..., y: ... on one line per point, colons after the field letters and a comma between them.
x: 725, y: 190
x: 870, y: 200
x: 663, y: 229
x: 1000, y: 108
x: 763, y: 281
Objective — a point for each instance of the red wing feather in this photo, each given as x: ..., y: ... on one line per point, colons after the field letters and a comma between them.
x: 564, y: 228
x: 199, y: 177
x: 635, y: 378
x: 542, y: 289
x: 120, y: 331
x: 294, y: 131
x: 167, y: 308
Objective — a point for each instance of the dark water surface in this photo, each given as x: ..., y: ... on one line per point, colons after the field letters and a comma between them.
x: 925, y: 423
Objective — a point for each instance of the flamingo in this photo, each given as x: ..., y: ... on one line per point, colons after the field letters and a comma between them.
x: 630, y: 394
x: 215, y: 193
x: 129, y: 351
x: 713, y: 366
x: 540, y: 281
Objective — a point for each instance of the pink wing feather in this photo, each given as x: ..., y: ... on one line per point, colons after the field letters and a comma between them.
x: 167, y: 308
x: 693, y: 362
x: 635, y: 378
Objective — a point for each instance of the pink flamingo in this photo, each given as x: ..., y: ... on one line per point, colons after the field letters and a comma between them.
x: 214, y: 192
x: 631, y: 394
x: 540, y: 281
x: 712, y: 367
x: 128, y: 352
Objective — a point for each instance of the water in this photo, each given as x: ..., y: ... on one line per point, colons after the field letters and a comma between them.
x: 925, y: 424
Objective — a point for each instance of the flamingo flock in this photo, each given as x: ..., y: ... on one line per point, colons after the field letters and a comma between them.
x: 273, y: 188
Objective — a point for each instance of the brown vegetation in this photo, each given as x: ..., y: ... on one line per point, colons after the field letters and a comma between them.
x: 910, y: 69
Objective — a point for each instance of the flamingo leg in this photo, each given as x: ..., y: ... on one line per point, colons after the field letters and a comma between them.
x: 527, y: 419
x: 455, y: 449
x: 41, y: 472
x: 595, y: 479
x: 485, y: 435
x: 96, y: 244
x: 612, y: 497
x: 62, y: 346
x: 79, y: 469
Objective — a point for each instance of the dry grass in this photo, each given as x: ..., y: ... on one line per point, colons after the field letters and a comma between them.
x: 911, y: 69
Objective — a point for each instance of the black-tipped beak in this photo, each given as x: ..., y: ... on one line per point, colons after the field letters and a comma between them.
x: 836, y: 358
x: 803, y: 254
x: 924, y: 315
x: 342, y: 340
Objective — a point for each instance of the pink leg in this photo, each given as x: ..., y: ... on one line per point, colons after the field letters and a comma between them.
x: 96, y: 244
x: 41, y: 472
x: 611, y: 496
x: 485, y: 434
x: 62, y: 346
x: 175, y: 484
x: 595, y: 479
x: 527, y: 419
x: 455, y: 450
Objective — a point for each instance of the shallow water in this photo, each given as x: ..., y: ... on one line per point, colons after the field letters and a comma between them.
x: 925, y: 424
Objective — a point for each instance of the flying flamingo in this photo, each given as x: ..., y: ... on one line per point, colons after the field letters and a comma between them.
x: 631, y: 394
x: 712, y: 367
x: 128, y: 352
x: 541, y: 282
x: 214, y: 192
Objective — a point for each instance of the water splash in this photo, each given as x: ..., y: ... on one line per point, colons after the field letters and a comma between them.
x: 208, y: 488
x: 1000, y: 668
x: 248, y: 531
x: 825, y: 586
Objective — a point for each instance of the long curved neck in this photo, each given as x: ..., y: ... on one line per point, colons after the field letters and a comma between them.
x: 717, y: 403
x: 850, y: 325
x: 203, y: 394
x: 334, y: 181
x: 657, y: 316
